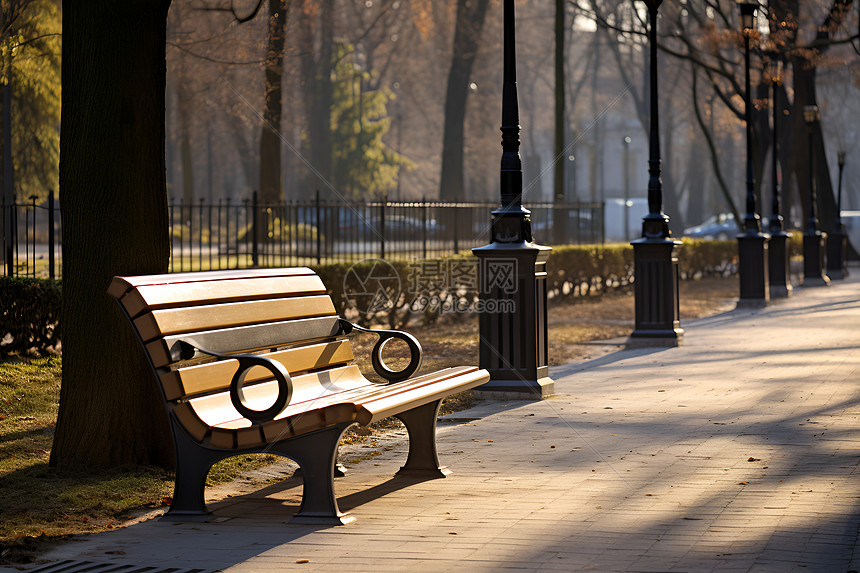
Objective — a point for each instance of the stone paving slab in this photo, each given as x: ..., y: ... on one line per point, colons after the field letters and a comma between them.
x: 738, y: 451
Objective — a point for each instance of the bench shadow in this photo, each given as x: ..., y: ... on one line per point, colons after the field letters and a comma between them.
x: 395, y: 483
x: 345, y: 503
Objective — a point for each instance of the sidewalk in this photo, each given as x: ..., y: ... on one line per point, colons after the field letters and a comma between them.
x: 739, y: 451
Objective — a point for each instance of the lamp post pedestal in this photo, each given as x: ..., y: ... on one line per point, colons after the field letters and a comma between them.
x: 813, y: 259
x: 753, y: 269
x: 837, y: 245
x: 779, y: 261
x: 513, y: 318
x: 658, y: 322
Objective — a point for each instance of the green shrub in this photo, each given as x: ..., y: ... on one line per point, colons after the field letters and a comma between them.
x: 583, y: 270
x: 29, y: 316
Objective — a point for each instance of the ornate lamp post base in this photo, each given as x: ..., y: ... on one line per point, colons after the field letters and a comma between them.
x: 779, y: 265
x: 513, y: 318
x: 753, y: 269
x: 656, y: 288
x: 837, y: 245
x: 813, y: 259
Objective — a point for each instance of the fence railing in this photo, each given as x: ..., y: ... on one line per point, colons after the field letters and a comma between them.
x: 248, y: 233
x: 31, y: 238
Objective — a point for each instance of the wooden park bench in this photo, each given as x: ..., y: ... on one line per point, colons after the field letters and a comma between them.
x: 258, y: 360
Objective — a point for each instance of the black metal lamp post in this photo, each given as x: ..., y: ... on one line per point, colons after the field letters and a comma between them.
x: 779, y: 259
x: 813, y: 239
x: 752, y: 243
x: 655, y: 264
x: 512, y: 275
x: 837, y: 240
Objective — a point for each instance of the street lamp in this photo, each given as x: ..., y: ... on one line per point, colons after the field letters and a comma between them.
x: 627, y: 141
x: 512, y: 269
x: 779, y: 258
x: 837, y: 241
x: 752, y: 243
x: 813, y: 239
x: 655, y: 264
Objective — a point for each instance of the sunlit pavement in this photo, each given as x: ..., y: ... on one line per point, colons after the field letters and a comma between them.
x: 738, y: 451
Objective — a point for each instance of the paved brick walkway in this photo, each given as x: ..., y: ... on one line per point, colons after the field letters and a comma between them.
x: 736, y: 452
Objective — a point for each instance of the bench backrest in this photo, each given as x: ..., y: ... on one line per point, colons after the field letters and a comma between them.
x: 287, y: 311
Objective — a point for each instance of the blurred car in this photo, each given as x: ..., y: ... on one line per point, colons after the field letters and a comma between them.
x: 720, y: 227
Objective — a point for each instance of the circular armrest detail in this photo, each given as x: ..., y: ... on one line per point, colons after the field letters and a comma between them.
x: 414, y: 362
x: 285, y: 388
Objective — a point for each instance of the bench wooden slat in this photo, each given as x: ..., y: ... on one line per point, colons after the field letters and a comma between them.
x: 214, y: 376
x: 189, y: 319
x: 369, y: 391
x: 162, y: 351
x: 121, y: 285
x: 157, y: 296
x: 390, y: 405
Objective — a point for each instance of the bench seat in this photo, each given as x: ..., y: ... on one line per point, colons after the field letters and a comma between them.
x: 258, y: 361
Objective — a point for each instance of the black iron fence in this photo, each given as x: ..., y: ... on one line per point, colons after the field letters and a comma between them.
x: 248, y: 233
x: 30, y: 237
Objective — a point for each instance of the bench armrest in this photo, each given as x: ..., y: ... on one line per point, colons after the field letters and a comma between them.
x: 187, y: 348
x: 376, y: 357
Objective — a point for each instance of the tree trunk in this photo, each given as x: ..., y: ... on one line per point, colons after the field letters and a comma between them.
x: 560, y: 223
x: 671, y: 205
x: 319, y: 91
x: 471, y: 15
x: 696, y: 181
x: 804, y: 66
x: 271, y: 189
x: 804, y: 94
x: 184, y: 107
x: 114, y: 209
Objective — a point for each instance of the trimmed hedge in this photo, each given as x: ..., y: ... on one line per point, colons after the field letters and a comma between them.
x: 30, y: 308
x: 572, y: 271
x: 29, y: 316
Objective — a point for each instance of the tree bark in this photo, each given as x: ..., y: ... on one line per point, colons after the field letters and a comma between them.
x: 560, y: 223
x: 319, y: 91
x: 114, y: 209
x: 271, y: 188
x: 471, y: 15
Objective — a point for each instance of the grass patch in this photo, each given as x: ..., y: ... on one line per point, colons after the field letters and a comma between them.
x: 29, y: 398
x: 40, y: 502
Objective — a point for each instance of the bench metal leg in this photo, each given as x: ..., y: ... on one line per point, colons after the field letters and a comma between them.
x: 192, y: 465
x: 316, y: 453
x: 422, y: 462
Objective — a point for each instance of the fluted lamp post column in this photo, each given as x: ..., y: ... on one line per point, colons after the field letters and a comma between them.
x: 655, y: 264
x: 752, y: 243
x: 837, y: 240
x: 512, y: 269
x: 779, y: 256
x: 813, y: 238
